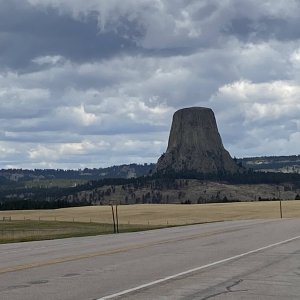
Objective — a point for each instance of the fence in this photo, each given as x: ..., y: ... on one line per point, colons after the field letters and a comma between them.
x: 162, y: 214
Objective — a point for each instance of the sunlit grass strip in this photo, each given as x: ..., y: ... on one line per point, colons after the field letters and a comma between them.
x: 28, y: 230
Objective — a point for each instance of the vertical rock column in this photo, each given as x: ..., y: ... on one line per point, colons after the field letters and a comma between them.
x: 195, y: 144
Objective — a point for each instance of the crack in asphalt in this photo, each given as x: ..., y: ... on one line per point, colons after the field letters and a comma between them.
x: 228, y: 290
x: 237, y: 280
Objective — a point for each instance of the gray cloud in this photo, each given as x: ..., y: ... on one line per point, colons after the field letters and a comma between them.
x: 27, y: 32
x: 94, y: 83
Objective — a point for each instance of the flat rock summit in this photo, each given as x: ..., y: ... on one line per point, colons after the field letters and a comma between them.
x: 195, y: 144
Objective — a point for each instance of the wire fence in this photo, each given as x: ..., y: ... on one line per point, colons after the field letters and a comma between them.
x: 162, y: 214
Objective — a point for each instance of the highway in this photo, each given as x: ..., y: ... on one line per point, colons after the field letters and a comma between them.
x: 252, y: 259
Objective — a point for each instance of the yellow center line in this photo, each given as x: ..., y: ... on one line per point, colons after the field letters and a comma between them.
x: 100, y: 253
x: 107, y: 252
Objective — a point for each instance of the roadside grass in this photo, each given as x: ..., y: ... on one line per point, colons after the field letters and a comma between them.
x: 28, y: 225
x: 28, y: 230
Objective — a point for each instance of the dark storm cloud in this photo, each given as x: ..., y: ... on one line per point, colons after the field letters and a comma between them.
x: 27, y: 32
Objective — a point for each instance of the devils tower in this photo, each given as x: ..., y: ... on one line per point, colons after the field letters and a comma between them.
x: 195, y: 144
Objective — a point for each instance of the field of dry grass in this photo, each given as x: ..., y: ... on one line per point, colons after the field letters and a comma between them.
x: 163, y: 214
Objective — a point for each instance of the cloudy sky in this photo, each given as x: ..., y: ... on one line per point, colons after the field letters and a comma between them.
x: 95, y: 83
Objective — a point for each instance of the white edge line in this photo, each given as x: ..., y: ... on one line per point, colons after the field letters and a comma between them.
x: 124, y: 292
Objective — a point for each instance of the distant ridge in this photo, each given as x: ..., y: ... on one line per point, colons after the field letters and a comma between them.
x: 283, y: 164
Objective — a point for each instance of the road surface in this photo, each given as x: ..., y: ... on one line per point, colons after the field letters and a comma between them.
x: 254, y: 259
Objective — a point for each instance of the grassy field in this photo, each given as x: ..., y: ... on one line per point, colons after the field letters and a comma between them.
x: 21, y: 231
x: 163, y: 214
x: 28, y: 225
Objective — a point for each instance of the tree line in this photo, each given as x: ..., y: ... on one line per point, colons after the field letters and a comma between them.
x: 54, y: 197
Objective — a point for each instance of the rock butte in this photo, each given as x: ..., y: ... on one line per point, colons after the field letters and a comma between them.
x: 195, y: 144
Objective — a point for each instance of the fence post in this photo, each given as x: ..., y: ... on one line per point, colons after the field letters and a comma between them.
x: 113, y: 216
x: 117, y: 217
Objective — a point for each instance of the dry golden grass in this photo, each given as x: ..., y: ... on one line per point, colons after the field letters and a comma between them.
x: 164, y: 214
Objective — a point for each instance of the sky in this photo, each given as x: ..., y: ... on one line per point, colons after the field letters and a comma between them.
x: 95, y: 83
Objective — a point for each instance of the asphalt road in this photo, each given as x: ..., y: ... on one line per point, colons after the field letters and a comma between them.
x: 257, y: 259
